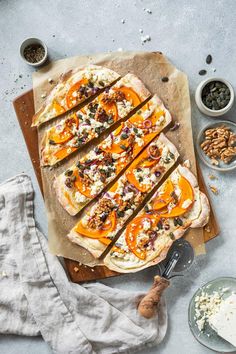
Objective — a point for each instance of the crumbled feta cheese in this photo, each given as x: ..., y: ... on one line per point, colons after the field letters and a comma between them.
x: 128, y: 196
x: 124, y: 107
x: 107, y: 142
x: 96, y: 187
x: 115, y: 156
x: 80, y: 198
x: 205, y: 306
x: 186, y: 203
x: 146, y: 225
x: 139, y: 141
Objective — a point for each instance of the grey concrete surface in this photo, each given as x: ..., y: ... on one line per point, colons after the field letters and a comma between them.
x: 186, y: 31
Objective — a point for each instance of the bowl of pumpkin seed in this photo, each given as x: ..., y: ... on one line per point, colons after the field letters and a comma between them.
x: 214, y: 96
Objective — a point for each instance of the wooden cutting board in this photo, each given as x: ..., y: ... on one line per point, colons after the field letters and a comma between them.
x: 24, y: 108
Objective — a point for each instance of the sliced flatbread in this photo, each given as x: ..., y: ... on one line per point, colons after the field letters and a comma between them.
x: 177, y: 206
x: 83, y: 181
x: 73, y: 88
x: 104, y: 220
x: 80, y: 127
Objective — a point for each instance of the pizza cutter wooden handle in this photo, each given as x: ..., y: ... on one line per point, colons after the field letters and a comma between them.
x: 148, y: 305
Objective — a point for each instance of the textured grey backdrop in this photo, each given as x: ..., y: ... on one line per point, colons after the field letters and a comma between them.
x: 186, y: 31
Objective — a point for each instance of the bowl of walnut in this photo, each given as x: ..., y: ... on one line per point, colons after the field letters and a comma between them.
x: 216, y: 145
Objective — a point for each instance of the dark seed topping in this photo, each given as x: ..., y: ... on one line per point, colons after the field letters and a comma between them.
x: 178, y: 221
x: 215, y: 95
x: 124, y: 136
x: 34, y: 53
x: 172, y: 236
x: 123, y: 147
x: 165, y: 79
x: 101, y: 83
x: 202, y: 72
x: 160, y: 225
x: 120, y: 213
x: 52, y: 142
x: 69, y: 173
x: 209, y: 59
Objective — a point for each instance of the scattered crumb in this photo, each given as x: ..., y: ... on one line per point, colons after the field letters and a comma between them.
x: 212, y: 177
x: 50, y: 80
x: 123, y: 20
x: 148, y: 11
x: 214, y: 162
x: 207, y: 228
x: 214, y: 70
x: 145, y: 39
x: 92, y: 270
x: 187, y: 163
x: 3, y: 274
x: 76, y: 269
x: 214, y: 190
x: 43, y: 95
x: 140, y: 30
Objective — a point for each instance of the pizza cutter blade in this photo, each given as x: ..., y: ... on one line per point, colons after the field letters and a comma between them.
x: 179, y: 258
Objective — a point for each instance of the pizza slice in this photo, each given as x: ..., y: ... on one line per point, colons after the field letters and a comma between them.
x: 83, y: 181
x: 96, y: 229
x: 80, y: 127
x: 73, y: 88
x: 177, y: 206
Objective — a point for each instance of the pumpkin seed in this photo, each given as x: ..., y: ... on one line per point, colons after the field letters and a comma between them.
x: 172, y: 236
x: 216, y: 95
x: 209, y: 59
x: 123, y: 147
x: 202, y: 72
x: 120, y: 213
x: 124, y: 136
x: 165, y: 79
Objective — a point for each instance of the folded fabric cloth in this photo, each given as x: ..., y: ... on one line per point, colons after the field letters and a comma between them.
x: 36, y: 296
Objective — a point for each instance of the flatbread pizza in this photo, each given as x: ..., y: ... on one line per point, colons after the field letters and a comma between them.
x: 98, y: 227
x: 83, y: 181
x: 80, y: 127
x: 73, y: 88
x: 177, y: 206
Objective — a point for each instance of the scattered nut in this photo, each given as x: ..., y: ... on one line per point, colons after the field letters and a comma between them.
x: 219, y: 144
x: 214, y: 190
x: 212, y: 177
x: 76, y: 269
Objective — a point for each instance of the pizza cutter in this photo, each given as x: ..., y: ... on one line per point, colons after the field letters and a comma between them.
x: 179, y: 258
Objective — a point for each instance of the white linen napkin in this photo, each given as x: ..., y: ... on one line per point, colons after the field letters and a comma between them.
x: 36, y: 296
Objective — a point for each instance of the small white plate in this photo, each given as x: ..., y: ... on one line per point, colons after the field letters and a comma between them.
x: 209, y: 338
x: 222, y: 166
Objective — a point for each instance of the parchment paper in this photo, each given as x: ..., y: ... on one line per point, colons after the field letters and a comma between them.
x: 150, y: 68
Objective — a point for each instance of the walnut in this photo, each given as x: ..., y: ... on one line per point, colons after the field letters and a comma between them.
x: 115, y: 96
x: 100, y: 214
x: 219, y: 144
